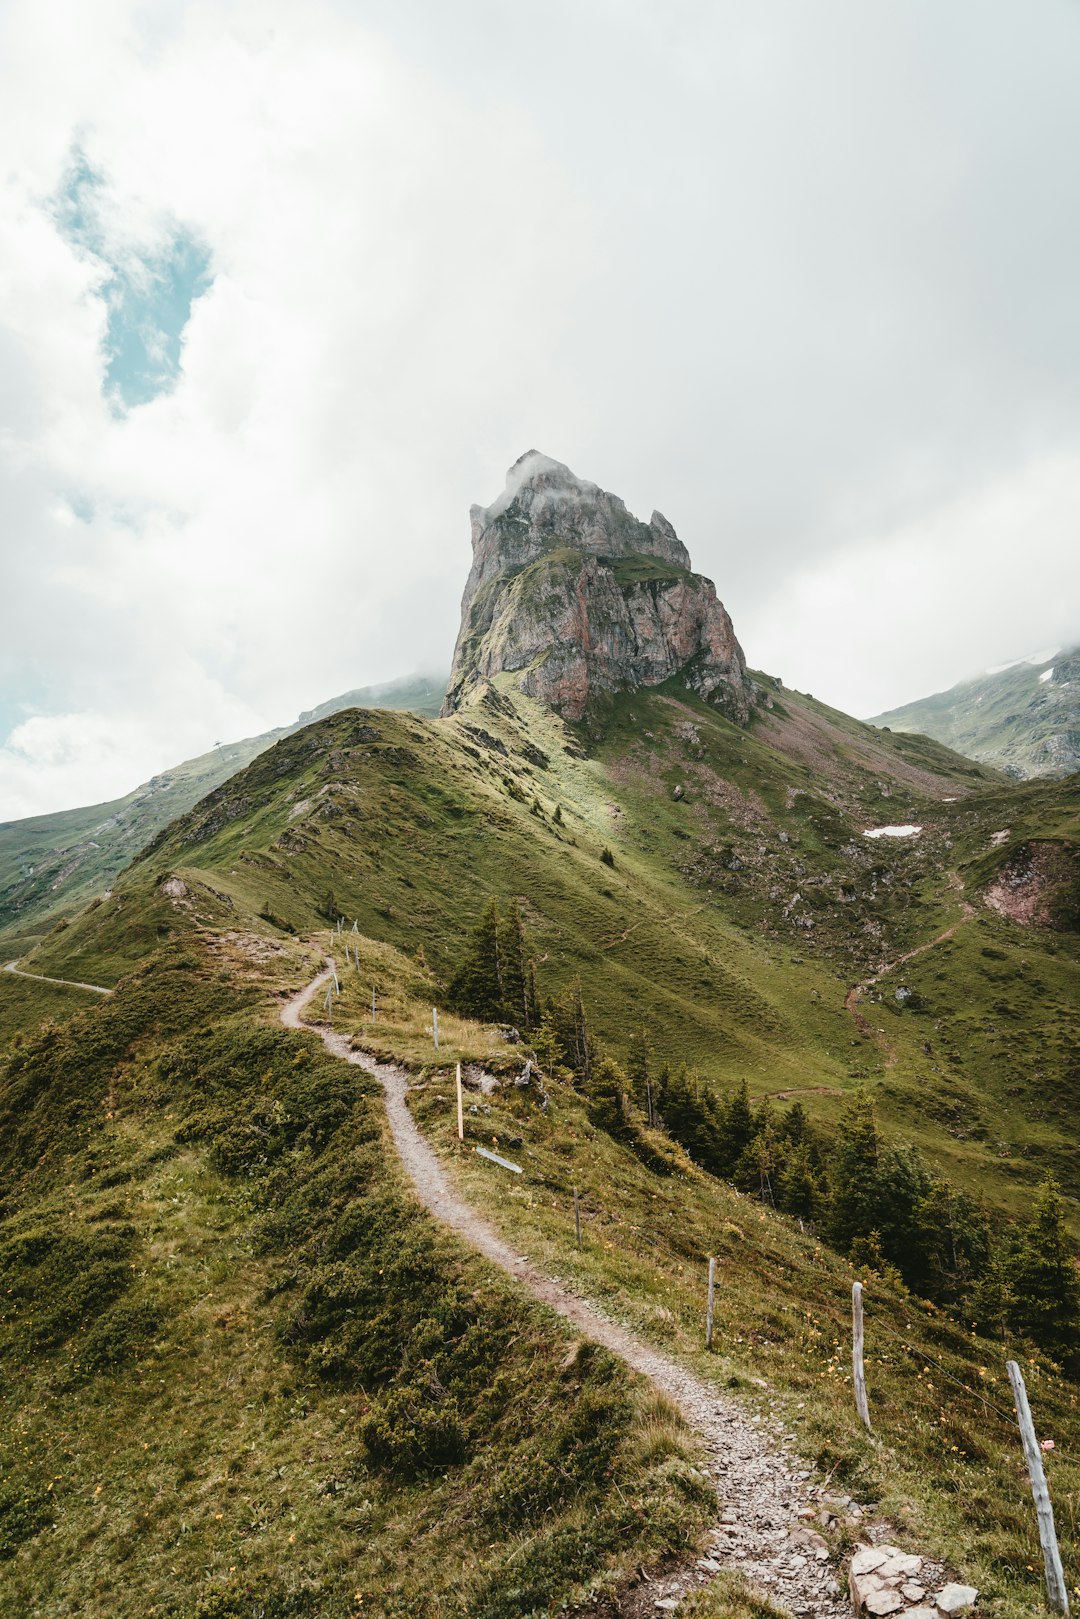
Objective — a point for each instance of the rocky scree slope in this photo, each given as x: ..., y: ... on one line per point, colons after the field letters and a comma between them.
x: 1023, y: 719
x: 580, y: 599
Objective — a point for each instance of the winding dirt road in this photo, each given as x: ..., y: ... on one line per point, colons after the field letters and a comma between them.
x: 762, y: 1483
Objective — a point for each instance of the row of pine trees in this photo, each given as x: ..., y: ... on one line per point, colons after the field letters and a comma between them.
x: 875, y: 1202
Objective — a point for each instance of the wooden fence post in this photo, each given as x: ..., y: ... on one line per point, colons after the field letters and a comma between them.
x: 435, y: 1026
x: 1056, y: 1593
x: 861, y: 1405
x: 577, y: 1217
x: 709, y: 1307
x: 373, y: 1003
x: 460, y: 1109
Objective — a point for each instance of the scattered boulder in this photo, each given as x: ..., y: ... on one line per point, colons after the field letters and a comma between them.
x: 882, y: 1580
x: 954, y: 1598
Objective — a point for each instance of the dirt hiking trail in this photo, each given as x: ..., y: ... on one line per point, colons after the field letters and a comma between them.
x: 760, y: 1487
x: 68, y: 983
x: 857, y: 991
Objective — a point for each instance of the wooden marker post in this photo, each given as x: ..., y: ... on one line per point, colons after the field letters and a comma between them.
x: 435, y: 1026
x: 577, y: 1216
x: 857, y: 1368
x: 1056, y: 1593
x: 710, y: 1306
x: 460, y: 1108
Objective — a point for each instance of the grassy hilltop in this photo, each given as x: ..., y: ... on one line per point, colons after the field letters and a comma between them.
x: 316, y: 1403
x: 53, y: 864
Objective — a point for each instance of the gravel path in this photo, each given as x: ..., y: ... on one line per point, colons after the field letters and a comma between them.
x: 69, y: 983
x: 760, y: 1488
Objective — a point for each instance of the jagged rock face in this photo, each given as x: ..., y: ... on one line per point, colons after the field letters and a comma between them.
x: 572, y: 591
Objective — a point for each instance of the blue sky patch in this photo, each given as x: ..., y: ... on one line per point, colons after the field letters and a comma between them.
x: 148, y: 295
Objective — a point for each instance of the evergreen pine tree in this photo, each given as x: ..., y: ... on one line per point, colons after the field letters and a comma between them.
x: 853, y: 1174
x: 514, y: 966
x: 571, y: 1024
x: 476, y: 987
x: 992, y: 1301
x: 606, y: 1101
x: 1044, y: 1281
x: 639, y: 1074
x: 736, y: 1130
x: 797, y: 1191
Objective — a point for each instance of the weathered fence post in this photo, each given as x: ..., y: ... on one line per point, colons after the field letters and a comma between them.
x: 373, y: 1003
x: 861, y: 1405
x: 709, y: 1308
x: 435, y: 1026
x: 577, y: 1216
x: 1056, y: 1592
x: 460, y: 1109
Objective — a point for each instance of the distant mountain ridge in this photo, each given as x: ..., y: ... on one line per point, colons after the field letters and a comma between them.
x: 50, y: 864
x: 1023, y: 718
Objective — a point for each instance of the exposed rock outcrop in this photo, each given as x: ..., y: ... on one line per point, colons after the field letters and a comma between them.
x: 581, y: 599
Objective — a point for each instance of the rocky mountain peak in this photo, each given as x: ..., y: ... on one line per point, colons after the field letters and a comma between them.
x: 581, y: 598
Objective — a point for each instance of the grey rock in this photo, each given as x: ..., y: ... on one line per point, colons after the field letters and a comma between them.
x: 580, y: 599
x: 900, y: 1564
x: 954, y: 1598
x: 868, y: 1558
x: 883, y: 1601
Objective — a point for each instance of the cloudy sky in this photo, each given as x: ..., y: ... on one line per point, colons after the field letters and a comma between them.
x: 284, y: 288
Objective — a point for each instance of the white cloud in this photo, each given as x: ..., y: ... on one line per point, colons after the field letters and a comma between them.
x: 266, y: 522
x: 998, y: 567
x: 799, y: 278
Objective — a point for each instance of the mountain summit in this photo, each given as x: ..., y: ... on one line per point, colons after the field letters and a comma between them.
x: 581, y: 599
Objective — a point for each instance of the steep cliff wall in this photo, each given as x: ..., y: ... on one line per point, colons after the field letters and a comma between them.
x: 574, y: 593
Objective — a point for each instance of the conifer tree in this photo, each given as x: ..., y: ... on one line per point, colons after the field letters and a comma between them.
x: 567, y: 1014
x: 853, y: 1174
x: 798, y: 1191
x: 1044, y: 1281
x: 606, y: 1101
x: 514, y: 966
x: 532, y: 998
x: 736, y: 1131
x: 476, y: 987
x: 639, y: 1074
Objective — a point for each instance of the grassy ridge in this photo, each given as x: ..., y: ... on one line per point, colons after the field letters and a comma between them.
x: 743, y: 903
x: 244, y: 1374
x: 51, y: 865
x: 244, y: 1184
x: 944, y: 1461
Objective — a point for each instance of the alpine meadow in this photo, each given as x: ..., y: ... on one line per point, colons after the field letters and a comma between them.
x: 439, y: 1150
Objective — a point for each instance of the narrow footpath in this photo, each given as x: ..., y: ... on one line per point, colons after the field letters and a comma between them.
x: 760, y: 1488
x: 67, y: 983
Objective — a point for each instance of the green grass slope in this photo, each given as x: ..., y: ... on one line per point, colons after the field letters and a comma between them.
x: 1024, y: 719
x: 743, y: 904
x: 943, y: 1463
x: 245, y: 1377
x: 51, y: 865
x: 311, y: 1396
